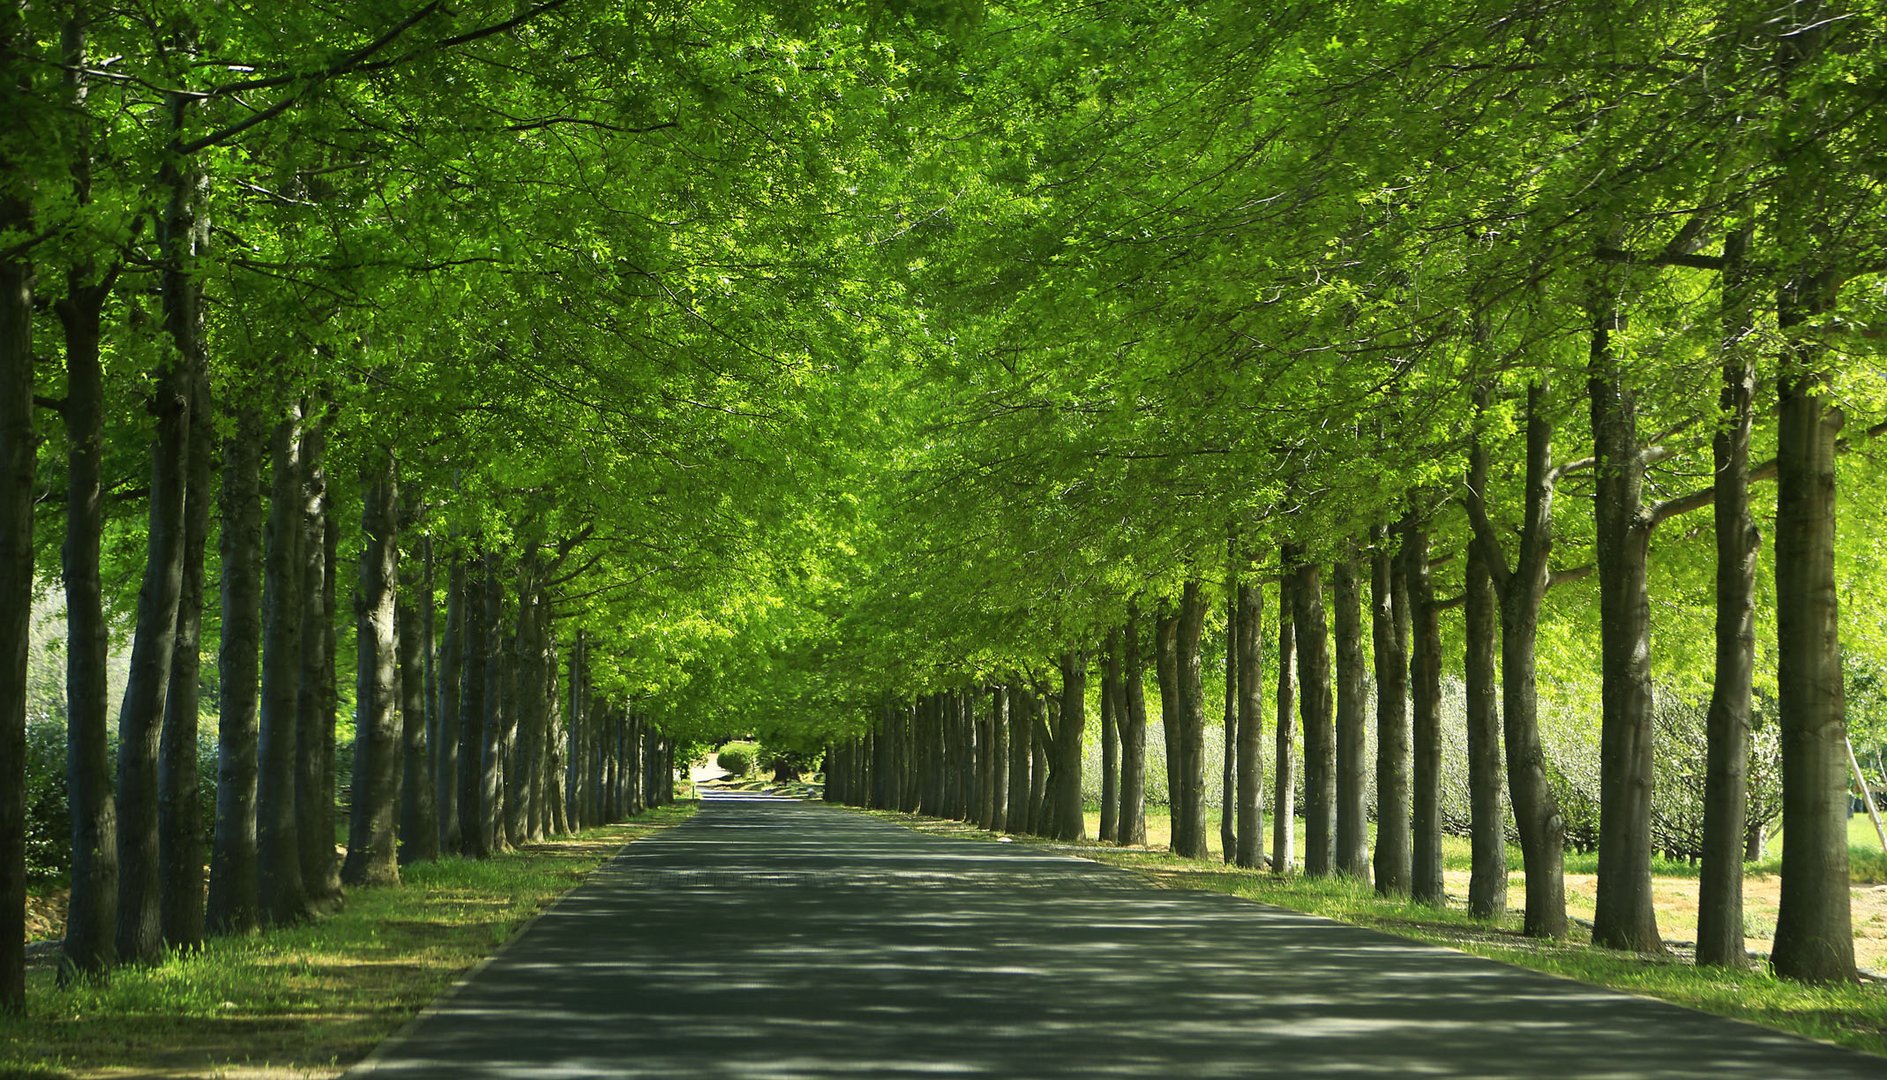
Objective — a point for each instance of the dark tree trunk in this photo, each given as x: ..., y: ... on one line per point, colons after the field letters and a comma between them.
x: 1814, y: 934
x: 314, y: 782
x: 1228, y: 758
x: 492, y: 726
x: 1487, y: 820
x: 1522, y: 587
x: 1166, y: 676
x: 140, y: 936
x: 445, y: 736
x: 576, y: 769
x: 514, y: 768
x: 1389, y: 626
x: 1352, y: 751
x: 233, y: 903
x: 1110, y: 741
x: 92, y: 908
x: 1250, y: 744
x: 473, y: 840
x: 18, y: 458
x: 1313, y: 676
x: 1021, y: 713
x: 1623, y: 917
x: 1414, y: 610
x: 372, y: 840
x: 1039, y: 742
x: 281, y: 895
x: 1284, y: 780
x: 1000, y: 793
x: 1192, y: 717
x: 987, y: 757
x: 1132, y: 825
x: 1726, y: 786
x: 180, y: 840
x: 419, y: 832
x: 1070, y: 823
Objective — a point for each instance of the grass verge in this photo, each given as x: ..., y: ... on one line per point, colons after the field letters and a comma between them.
x: 309, y: 1000
x: 1852, y: 1016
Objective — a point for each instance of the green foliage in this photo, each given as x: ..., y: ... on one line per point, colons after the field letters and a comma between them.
x: 738, y: 758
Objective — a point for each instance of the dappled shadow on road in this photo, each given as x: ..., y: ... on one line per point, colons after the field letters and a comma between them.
x: 767, y: 938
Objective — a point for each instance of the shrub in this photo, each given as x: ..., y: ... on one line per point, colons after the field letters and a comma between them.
x: 738, y: 758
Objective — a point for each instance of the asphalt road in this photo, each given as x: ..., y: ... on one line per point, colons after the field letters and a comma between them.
x: 771, y: 938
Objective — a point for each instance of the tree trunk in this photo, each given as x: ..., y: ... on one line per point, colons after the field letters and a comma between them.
x: 1313, y: 676
x: 1021, y: 712
x: 1814, y: 933
x: 1070, y: 823
x: 233, y: 904
x: 372, y: 840
x: 1228, y: 758
x: 92, y: 908
x: 999, y: 753
x: 1110, y: 741
x: 473, y: 840
x: 1414, y: 611
x: 1389, y: 625
x: 445, y: 736
x: 1623, y: 917
x: 1132, y: 826
x: 1726, y: 785
x: 1166, y: 675
x: 314, y: 782
x: 1536, y: 808
x: 1487, y: 822
x: 1039, y: 740
x: 418, y: 832
x: 1352, y: 753
x: 1250, y: 801
x: 281, y: 895
x: 180, y: 840
x: 1192, y: 717
x: 1284, y: 780
x: 492, y: 726
x: 140, y: 936
x: 18, y: 458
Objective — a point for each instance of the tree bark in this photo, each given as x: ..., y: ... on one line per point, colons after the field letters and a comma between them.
x: 1720, y: 940
x: 1070, y: 823
x: 90, y: 945
x: 1313, y: 676
x: 1284, y: 780
x: 492, y: 727
x: 281, y: 895
x: 1522, y: 587
x: 473, y: 839
x: 418, y: 832
x: 1166, y: 676
x: 314, y: 782
x: 1415, y: 614
x: 1021, y: 713
x: 445, y: 736
x: 1389, y: 625
x: 1623, y: 917
x: 1132, y: 826
x: 1228, y: 758
x: 1352, y: 755
x: 233, y: 902
x: 1814, y: 932
x: 1192, y: 716
x: 1000, y: 793
x: 1110, y: 741
x: 140, y: 936
x: 1040, y: 742
x: 1487, y: 818
x: 18, y: 459
x: 180, y: 840
x: 1250, y: 801
x: 372, y: 840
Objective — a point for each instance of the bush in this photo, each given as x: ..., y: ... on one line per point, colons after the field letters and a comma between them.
x: 737, y: 758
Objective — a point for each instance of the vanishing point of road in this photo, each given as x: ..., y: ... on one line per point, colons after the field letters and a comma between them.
x: 769, y: 938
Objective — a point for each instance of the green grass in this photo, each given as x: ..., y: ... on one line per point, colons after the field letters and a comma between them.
x: 1853, y: 1016
x: 305, y: 1000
